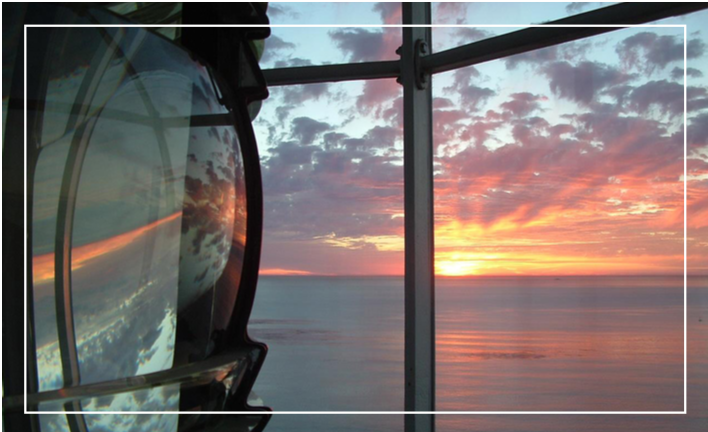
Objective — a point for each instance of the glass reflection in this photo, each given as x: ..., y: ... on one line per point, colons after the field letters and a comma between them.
x: 151, y: 209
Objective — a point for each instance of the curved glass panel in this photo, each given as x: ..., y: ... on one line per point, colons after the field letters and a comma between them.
x: 139, y: 203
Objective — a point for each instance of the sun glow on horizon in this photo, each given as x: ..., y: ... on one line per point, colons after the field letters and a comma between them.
x: 456, y: 268
x: 284, y: 272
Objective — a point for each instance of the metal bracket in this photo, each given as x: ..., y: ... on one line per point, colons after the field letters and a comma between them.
x: 420, y: 50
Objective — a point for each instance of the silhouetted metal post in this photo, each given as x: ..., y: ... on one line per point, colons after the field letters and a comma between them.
x: 418, y: 178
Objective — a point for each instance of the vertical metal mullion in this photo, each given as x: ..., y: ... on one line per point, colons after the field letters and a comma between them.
x: 418, y: 191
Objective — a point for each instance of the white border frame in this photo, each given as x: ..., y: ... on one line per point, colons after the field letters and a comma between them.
x: 520, y: 26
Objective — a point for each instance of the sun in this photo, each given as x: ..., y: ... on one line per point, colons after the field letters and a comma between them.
x: 456, y: 268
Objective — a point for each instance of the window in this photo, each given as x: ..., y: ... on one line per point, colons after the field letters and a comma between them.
x: 551, y: 152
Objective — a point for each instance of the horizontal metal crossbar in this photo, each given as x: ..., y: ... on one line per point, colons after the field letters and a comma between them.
x: 517, y: 42
x: 533, y: 38
x: 332, y: 73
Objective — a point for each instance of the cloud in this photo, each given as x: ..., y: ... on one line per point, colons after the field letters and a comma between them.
x: 471, y: 95
x: 361, y: 44
x: 439, y: 102
x: 582, y: 82
x: 697, y: 98
x: 649, y: 52
x: 450, y: 12
x: 522, y: 104
x: 292, y: 62
x: 306, y: 129
x: 667, y: 96
x: 390, y: 12
x: 470, y: 34
x: 576, y: 7
x: 336, y: 188
x: 481, y: 128
x: 677, y: 73
x: 291, y: 97
x: 535, y: 57
x: 274, y: 48
x: 291, y: 153
x: 377, y: 96
x: 383, y: 136
x: 557, y: 167
x: 698, y: 130
x: 512, y: 170
x: 446, y: 126
x: 280, y: 11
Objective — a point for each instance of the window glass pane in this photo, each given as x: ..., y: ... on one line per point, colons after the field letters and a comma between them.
x: 289, y: 47
x: 330, y: 297
x: 559, y: 228
x: 490, y: 13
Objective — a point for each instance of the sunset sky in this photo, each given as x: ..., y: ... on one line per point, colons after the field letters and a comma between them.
x: 562, y: 161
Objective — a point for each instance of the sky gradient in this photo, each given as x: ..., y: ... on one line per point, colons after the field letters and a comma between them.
x: 566, y: 160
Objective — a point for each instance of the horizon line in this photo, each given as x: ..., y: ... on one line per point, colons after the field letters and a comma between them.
x: 482, y: 276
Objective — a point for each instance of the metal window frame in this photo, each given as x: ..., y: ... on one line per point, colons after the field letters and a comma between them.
x: 414, y: 71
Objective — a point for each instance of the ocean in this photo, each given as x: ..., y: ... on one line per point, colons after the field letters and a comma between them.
x: 502, y: 344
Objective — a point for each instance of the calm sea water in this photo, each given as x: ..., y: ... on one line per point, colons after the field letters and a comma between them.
x: 503, y: 344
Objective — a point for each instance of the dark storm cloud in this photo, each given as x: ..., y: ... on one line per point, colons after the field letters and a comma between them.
x: 306, y: 129
x: 582, y: 82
